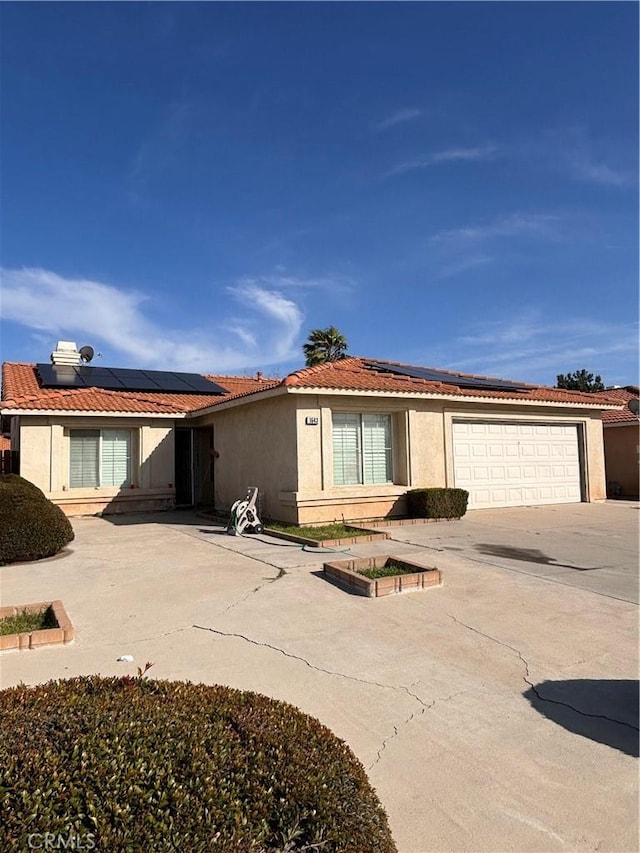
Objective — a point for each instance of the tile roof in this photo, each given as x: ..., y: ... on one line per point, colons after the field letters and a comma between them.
x: 356, y: 374
x: 21, y: 390
x: 621, y: 395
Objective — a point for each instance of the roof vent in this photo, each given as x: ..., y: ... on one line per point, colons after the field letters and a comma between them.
x: 66, y: 352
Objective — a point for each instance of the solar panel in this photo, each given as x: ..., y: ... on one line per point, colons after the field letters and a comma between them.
x: 124, y: 379
x: 446, y: 378
x: 59, y: 376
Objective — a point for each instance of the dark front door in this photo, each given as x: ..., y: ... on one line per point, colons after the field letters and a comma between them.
x: 184, y: 467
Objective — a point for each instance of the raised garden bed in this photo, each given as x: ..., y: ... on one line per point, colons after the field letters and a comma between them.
x: 324, y: 536
x: 375, y: 577
x: 32, y: 625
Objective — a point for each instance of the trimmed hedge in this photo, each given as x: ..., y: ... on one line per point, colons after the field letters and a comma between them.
x: 437, y: 503
x: 142, y: 765
x: 31, y: 527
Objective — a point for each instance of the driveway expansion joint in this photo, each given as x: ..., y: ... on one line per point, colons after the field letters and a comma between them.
x: 527, y: 679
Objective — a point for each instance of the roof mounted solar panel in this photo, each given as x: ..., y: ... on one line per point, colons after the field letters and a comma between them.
x: 448, y: 378
x: 59, y: 376
x: 200, y: 384
x: 125, y: 379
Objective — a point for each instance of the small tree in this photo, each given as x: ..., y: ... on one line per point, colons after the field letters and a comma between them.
x: 324, y: 345
x: 581, y: 380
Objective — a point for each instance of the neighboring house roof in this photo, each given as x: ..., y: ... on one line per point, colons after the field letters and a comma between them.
x: 621, y: 395
x: 21, y: 390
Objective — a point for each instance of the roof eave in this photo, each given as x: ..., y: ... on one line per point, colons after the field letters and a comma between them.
x: 94, y: 413
x: 464, y: 398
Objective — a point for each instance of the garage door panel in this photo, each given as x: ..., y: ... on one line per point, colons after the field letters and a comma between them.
x: 511, y: 464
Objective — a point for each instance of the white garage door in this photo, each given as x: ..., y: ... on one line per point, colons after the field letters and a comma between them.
x: 516, y: 464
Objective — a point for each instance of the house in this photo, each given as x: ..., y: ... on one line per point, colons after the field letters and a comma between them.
x: 345, y: 439
x: 622, y: 443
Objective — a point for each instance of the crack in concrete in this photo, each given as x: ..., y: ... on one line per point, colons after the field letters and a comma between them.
x: 396, y: 731
x: 396, y: 687
x: 425, y: 706
x: 267, y: 581
x: 147, y: 639
x: 527, y: 679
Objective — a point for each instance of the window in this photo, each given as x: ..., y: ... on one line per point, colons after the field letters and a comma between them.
x: 99, y: 458
x: 361, y: 449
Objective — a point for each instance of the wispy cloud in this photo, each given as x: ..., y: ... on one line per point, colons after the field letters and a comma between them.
x: 449, y: 155
x: 119, y: 319
x: 545, y: 225
x: 464, y: 265
x: 531, y: 348
x: 335, y: 284
x: 398, y: 117
x: 583, y: 169
x: 574, y: 153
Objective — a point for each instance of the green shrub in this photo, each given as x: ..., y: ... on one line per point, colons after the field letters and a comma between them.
x: 147, y: 765
x: 437, y: 503
x: 31, y: 527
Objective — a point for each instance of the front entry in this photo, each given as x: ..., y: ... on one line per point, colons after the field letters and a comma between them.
x: 194, y: 466
x: 184, y: 467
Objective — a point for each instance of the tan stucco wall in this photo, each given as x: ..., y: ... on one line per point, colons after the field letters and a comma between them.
x: 422, y: 441
x: 44, y: 461
x: 267, y: 443
x: 621, y: 446
x: 256, y: 444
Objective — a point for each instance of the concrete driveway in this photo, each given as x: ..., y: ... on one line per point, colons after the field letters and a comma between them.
x: 590, y: 546
x: 496, y: 713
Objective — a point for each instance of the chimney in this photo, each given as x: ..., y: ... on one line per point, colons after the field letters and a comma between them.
x: 259, y: 375
x: 66, y: 352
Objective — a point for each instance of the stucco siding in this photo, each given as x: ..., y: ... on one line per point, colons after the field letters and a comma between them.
x: 422, y: 452
x: 45, y: 462
x: 621, y: 451
x: 256, y: 446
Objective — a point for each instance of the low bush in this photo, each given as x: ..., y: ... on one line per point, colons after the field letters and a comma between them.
x: 142, y: 765
x: 437, y: 503
x: 31, y: 527
x: 24, y: 622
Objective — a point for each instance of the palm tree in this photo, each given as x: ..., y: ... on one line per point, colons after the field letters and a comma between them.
x: 324, y: 345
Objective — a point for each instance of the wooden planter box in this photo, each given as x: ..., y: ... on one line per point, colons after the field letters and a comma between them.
x: 64, y: 633
x: 346, y: 574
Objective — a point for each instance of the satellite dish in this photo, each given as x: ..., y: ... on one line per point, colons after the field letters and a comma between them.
x: 634, y: 405
x: 86, y: 354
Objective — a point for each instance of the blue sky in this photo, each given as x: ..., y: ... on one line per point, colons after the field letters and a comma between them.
x: 197, y: 185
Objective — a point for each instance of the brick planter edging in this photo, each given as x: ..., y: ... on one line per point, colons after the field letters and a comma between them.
x: 327, y: 543
x: 346, y: 574
x: 64, y: 633
x: 400, y: 522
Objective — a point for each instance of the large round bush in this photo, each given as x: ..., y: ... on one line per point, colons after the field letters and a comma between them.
x: 31, y: 527
x: 142, y: 765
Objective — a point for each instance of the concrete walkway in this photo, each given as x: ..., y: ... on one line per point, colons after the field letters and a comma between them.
x: 496, y: 713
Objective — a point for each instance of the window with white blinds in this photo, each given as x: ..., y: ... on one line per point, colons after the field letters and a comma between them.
x: 361, y: 449
x: 99, y: 458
